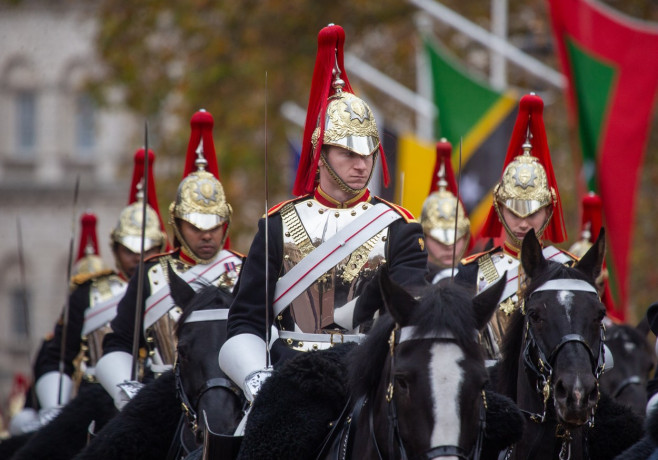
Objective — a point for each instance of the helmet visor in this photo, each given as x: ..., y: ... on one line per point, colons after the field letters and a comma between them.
x: 523, y: 208
x: 134, y: 243
x: 203, y: 221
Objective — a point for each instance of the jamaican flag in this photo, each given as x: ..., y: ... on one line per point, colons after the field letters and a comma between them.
x: 611, y: 63
x: 473, y: 112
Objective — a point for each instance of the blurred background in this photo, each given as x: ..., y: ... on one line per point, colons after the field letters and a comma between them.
x: 78, y: 80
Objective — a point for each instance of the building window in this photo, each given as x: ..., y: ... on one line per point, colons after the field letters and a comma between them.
x: 20, y: 312
x: 26, y: 123
x: 85, y: 125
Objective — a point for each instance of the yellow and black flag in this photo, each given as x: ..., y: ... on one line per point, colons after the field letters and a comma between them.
x: 482, y: 117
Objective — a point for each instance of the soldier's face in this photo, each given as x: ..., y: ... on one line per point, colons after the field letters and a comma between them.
x: 522, y: 225
x: 128, y: 260
x: 441, y: 254
x: 204, y: 243
x: 352, y: 168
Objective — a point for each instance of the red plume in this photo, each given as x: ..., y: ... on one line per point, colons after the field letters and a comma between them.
x: 88, y: 235
x: 443, y: 156
x: 138, y: 176
x: 202, y: 123
x: 331, y: 40
x: 592, y: 214
x: 531, y: 116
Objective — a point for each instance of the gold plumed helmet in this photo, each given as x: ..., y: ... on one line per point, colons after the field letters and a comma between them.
x: 335, y: 116
x: 528, y: 183
x: 441, y: 207
x: 88, y: 260
x: 524, y: 187
x: 200, y: 199
x: 128, y: 231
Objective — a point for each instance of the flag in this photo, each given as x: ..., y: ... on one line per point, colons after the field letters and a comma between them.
x: 481, y: 117
x: 611, y: 63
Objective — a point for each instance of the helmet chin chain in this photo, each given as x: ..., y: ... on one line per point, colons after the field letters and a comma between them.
x: 517, y: 242
x: 341, y: 183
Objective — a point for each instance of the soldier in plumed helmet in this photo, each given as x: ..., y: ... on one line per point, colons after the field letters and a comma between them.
x: 95, y: 293
x: 443, y: 218
x: 325, y: 245
x: 525, y: 198
x: 200, y: 217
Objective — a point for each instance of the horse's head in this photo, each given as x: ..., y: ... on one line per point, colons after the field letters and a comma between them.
x: 563, y: 349
x: 201, y: 331
x: 634, y: 359
x: 423, y: 372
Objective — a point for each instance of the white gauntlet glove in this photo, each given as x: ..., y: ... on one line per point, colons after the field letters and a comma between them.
x: 254, y: 381
x: 112, y: 370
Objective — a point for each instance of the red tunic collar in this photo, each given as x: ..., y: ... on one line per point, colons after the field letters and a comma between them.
x: 187, y: 259
x: 324, y: 199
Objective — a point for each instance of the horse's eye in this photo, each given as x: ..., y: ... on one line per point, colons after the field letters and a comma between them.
x: 534, y: 316
x: 402, y: 383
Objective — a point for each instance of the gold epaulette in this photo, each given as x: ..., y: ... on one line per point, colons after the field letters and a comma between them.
x: 162, y: 254
x: 473, y: 257
x: 276, y: 208
x: 405, y: 213
x: 236, y: 253
x: 82, y: 278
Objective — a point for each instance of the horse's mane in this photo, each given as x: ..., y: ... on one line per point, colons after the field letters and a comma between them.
x: 208, y: 297
x: 441, y: 309
x: 513, y: 340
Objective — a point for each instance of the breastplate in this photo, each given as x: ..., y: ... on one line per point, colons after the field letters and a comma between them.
x: 101, y: 289
x: 161, y: 336
x: 490, y: 268
x: 306, y: 225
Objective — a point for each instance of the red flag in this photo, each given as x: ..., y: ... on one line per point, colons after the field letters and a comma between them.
x: 611, y: 63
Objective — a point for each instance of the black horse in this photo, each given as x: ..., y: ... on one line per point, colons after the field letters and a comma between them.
x: 553, y: 358
x: 634, y: 360
x: 151, y: 425
x: 416, y: 388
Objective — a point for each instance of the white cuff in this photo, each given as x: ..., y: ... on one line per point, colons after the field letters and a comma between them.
x: 344, y: 316
x: 48, y: 386
x: 242, y: 355
x: 112, y: 369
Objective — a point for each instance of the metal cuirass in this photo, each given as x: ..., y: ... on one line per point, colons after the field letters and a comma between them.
x: 161, y: 336
x: 102, y: 289
x: 490, y: 268
x: 306, y: 225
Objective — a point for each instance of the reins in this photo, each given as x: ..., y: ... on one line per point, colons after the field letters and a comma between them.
x: 189, y: 407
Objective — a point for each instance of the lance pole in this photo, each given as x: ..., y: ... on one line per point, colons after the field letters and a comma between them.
x: 140, y: 269
x: 268, y: 360
x: 454, y: 246
x: 65, y: 314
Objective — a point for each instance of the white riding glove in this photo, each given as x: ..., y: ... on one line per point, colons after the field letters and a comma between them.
x: 113, y: 370
x: 242, y: 358
x: 47, y: 388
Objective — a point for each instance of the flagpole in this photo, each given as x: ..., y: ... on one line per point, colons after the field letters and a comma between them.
x: 498, y: 76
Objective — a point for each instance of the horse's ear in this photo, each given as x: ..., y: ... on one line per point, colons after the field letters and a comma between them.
x: 181, y: 292
x: 486, y: 302
x: 592, y: 262
x: 643, y: 327
x: 532, y: 257
x: 397, y: 300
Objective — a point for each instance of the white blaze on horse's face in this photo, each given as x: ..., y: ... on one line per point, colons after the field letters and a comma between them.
x: 446, y: 380
x: 565, y: 298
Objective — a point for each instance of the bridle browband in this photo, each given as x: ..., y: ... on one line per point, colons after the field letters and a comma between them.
x: 400, y: 335
x: 543, y: 367
x: 189, y: 407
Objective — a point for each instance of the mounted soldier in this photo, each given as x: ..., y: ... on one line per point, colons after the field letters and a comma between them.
x: 443, y: 218
x: 526, y: 198
x: 200, y: 217
x: 324, y: 246
x: 95, y: 293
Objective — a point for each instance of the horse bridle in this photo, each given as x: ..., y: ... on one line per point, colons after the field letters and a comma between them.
x: 188, y: 407
x: 398, y: 336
